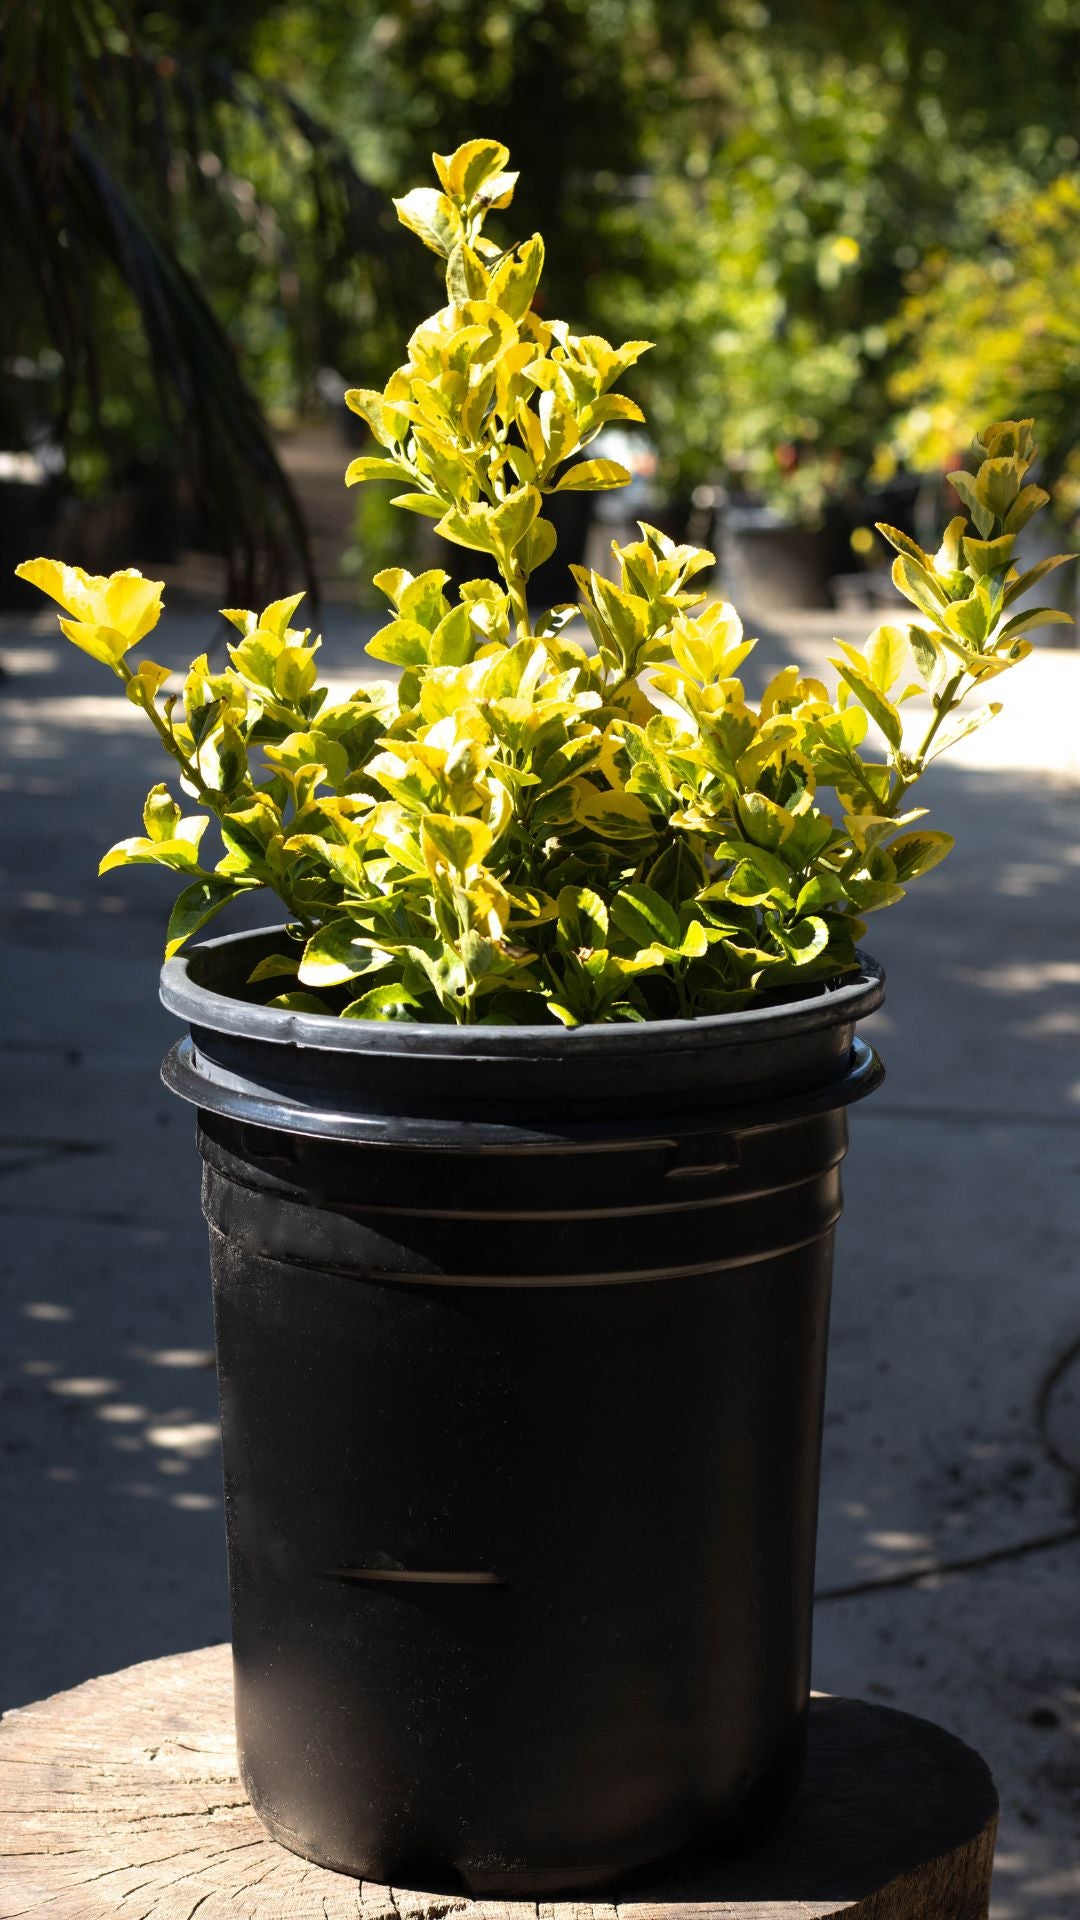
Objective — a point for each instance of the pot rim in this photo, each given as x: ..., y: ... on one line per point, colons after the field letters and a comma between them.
x: 856, y: 996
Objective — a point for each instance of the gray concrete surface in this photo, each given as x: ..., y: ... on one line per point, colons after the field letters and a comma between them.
x: 949, y: 1563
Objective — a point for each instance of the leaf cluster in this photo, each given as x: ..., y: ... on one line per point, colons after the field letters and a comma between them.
x: 585, y: 822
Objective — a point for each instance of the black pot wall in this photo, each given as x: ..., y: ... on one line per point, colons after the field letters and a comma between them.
x: 521, y: 1431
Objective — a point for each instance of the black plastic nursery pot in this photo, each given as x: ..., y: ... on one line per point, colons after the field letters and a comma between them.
x: 521, y: 1346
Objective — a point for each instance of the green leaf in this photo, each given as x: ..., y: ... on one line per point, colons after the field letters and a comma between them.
x: 274, y: 967
x: 470, y: 527
x: 371, y: 408
x: 513, y: 518
x: 295, y: 674
x: 964, y: 485
x: 764, y: 822
x: 947, y: 559
x: 310, y: 749
x: 880, y: 709
x: 515, y: 280
x: 969, y: 723
x: 538, y: 545
x: 179, y: 854
x: 1028, y: 502
x: 989, y: 556
x: 759, y: 876
x: 404, y: 643
x: 457, y: 841
x: 918, y: 585
x: 1024, y: 581
x: 592, y: 476
x: 251, y: 831
x: 887, y: 652
x: 390, y: 1002
x: 930, y: 657
x: 618, y: 816
x: 1027, y: 622
x: 466, y: 275
x: 611, y: 406
x: 969, y: 619
x: 294, y: 1002
x: 997, y: 485
x: 194, y: 907
x: 431, y: 215
x: 709, y: 645
x: 563, y: 1013
x: 339, y: 951
x: 427, y: 504
x: 915, y: 853
x: 869, y: 896
x: 645, y: 917
x: 614, y: 616
x: 161, y: 815
x: 843, y: 731
x: 583, y: 919
x: 275, y: 618
x: 423, y: 599
x: 393, y: 581
x: 821, y: 890
x: 445, y: 972
x: 903, y: 543
x: 805, y: 940
x: 453, y: 641
x: 370, y: 468
x: 475, y: 164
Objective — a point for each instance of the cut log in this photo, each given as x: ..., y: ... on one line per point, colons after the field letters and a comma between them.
x: 120, y: 1798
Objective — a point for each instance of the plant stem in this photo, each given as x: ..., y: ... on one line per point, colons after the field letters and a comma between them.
x: 516, y: 588
x: 167, y: 737
x: 942, y: 707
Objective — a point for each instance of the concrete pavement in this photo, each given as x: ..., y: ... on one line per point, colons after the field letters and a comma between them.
x: 949, y: 1561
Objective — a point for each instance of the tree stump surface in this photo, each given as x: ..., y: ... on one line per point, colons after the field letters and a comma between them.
x: 120, y: 1798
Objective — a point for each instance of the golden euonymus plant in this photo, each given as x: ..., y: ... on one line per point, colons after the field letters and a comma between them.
x: 522, y: 826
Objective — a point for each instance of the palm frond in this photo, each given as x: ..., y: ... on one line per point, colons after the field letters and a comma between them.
x: 94, y: 133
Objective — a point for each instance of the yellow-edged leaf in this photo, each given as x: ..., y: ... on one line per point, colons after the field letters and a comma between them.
x: 592, y: 476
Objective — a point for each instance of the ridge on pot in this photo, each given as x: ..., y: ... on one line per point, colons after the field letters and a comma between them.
x: 525, y: 1078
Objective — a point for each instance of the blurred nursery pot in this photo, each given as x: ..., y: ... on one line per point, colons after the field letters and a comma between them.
x: 521, y: 1255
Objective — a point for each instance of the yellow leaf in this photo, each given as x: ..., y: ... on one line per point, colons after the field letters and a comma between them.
x: 592, y: 476
x: 432, y: 216
x: 131, y: 604
x: 615, y: 815
x: 465, y: 171
x: 77, y: 592
x: 123, y: 603
x: 101, y: 643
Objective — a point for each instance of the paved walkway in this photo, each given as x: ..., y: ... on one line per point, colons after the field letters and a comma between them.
x: 949, y: 1567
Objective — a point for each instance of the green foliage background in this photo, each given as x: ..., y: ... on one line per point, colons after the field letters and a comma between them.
x: 849, y: 227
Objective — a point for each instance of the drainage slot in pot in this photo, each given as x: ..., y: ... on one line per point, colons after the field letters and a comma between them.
x: 417, y: 1577
x: 700, y: 1154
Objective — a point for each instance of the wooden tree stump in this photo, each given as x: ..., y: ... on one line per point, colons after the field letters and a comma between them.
x: 120, y: 1799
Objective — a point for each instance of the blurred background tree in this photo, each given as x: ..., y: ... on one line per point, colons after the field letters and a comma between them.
x: 1018, y: 299
x: 850, y: 228
x: 178, y: 232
